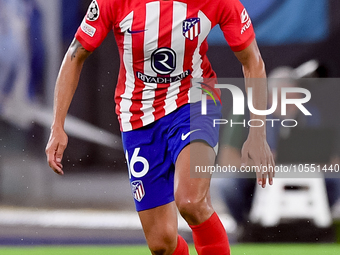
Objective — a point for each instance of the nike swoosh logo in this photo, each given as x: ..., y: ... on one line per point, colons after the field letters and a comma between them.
x: 185, y: 136
x: 135, y: 31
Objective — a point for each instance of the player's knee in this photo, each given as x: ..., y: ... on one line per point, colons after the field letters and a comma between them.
x: 158, y: 250
x: 162, y: 239
x: 162, y: 246
x: 190, y: 207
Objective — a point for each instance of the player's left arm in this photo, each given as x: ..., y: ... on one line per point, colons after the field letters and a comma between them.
x: 256, y: 146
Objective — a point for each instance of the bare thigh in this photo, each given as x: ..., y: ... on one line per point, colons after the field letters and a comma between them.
x: 192, y: 195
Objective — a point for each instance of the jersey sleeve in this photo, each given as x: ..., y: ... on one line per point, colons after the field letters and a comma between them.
x: 236, y: 24
x: 96, y: 24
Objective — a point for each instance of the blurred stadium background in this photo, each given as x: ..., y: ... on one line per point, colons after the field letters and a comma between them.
x: 92, y: 204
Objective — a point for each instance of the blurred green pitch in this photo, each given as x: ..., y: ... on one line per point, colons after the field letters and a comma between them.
x: 240, y: 249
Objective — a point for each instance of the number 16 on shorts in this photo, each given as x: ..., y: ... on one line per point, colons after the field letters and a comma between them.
x: 136, y: 163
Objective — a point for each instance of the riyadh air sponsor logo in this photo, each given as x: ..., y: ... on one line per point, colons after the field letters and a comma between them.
x: 163, y: 62
x: 191, y: 28
x: 245, y: 19
x: 93, y: 11
x: 185, y: 136
x: 138, y: 190
x: 162, y: 80
x: 87, y: 29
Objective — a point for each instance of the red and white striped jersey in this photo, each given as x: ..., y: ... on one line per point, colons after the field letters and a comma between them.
x: 162, y: 45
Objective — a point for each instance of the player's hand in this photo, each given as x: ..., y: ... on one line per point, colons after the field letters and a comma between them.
x: 257, y: 149
x: 55, y: 149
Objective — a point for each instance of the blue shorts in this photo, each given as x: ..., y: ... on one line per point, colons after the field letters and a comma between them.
x: 151, y: 151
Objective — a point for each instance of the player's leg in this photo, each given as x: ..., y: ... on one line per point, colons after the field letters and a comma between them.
x: 151, y: 174
x: 160, y: 229
x: 192, y: 198
x: 192, y: 194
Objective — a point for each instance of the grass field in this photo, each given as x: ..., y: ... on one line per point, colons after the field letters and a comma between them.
x: 241, y: 249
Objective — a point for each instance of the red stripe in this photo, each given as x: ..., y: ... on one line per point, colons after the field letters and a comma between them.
x: 138, y: 65
x: 140, y: 191
x: 165, y: 28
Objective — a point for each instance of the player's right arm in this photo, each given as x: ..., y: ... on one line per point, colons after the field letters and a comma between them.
x: 65, y: 87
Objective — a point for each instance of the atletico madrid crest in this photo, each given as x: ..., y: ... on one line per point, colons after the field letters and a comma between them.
x: 191, y: 28
x: 138, y: 190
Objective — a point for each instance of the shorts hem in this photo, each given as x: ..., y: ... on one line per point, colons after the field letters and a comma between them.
x: 144, y: 208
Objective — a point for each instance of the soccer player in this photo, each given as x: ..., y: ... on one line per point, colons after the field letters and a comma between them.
x: 162, y: 46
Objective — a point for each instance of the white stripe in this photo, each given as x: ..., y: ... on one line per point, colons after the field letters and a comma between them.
x: 137, y: 195
x: 196, y: 29
x: 197, y: 58
x: 126, y: 102
x: 150, y: 45
x: 178, y: 45
x: 140, y: 190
